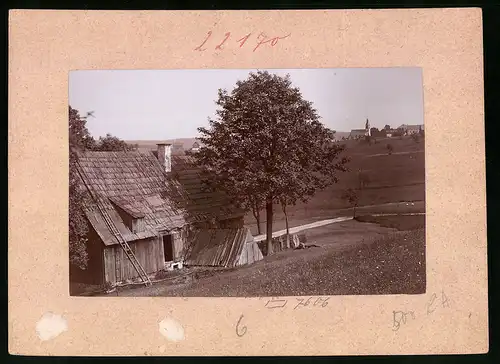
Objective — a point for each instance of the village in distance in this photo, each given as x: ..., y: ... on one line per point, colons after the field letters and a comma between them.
x: 249, y: 183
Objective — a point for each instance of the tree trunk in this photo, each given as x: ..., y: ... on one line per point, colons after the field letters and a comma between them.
x: 256, y: 215
x: 354, y: 212
x: 283, y: 206
x: 269, y: 225
x: 259, y: 230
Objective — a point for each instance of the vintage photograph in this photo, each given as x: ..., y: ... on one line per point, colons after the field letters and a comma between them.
x: 246, y: 182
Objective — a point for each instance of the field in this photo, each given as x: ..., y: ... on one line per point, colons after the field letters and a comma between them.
x: 399, y: 177
x: 395, y: 222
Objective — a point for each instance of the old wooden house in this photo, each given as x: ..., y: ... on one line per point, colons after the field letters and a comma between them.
x: 151, y: 200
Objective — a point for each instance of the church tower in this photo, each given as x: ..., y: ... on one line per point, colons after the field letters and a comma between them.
x: 367, y: 128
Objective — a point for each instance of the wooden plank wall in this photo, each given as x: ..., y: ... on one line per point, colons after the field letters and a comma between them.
x: 178, y: 242
x: 118, y: 268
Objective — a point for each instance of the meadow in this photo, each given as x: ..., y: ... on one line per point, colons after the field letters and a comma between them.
x: 396, y: 177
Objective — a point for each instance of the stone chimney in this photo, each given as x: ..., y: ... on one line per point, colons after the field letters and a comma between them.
x: 165, y: 156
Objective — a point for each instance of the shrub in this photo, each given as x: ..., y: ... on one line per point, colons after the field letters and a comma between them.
x: 352, y: 198
x: 363, y: 179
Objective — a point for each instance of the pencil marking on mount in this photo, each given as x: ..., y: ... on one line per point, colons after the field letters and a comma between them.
x: 433, y: 305
x: 281, y: 303
x: 240, y: 330
x: 219, y: 46
x: 318, y: 302
x: 401, y: 317
x: 199, y: 48
x: 261, y: 40
x: 444, y: 300
x: 276, y: 303
x: 244, y: 39
x: 430, y: 304
x: 272, y: 41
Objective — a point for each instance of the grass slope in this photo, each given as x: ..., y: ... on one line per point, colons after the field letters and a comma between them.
x: 410, y: 222
x: 394, y: 178
x: 392, y: 264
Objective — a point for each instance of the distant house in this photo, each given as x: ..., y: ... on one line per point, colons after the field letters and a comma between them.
x: 391, y: 132
x: 374, y: 132
x: 411, y: 129
x: 177, y: 149
x: 195, y: 147
x: 151, y: 201
x: 361, y: 133
x: 358, y: 133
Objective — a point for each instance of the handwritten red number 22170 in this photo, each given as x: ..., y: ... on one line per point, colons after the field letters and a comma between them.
x: 273, y: 41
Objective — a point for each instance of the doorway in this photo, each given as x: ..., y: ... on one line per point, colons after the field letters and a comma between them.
x: 168, y: 248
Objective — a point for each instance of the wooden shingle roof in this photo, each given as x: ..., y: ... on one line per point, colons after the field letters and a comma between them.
x: 135, y: 182
x: 202, y: 204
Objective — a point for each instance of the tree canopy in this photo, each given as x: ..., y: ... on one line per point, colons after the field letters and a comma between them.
x: 352, y: 198
x: 110, y: 143
x: 79, y: 140
x: 267, y: 145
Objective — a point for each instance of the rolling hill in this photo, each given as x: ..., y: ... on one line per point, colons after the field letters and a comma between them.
x: 393, y: 178
x: 341, y: 134
x: 178, y: 145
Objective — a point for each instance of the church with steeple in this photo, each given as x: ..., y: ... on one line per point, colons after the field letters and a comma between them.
x: 359, y: 133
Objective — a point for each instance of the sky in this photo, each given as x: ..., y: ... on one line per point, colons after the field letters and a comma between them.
x: 170, y: 104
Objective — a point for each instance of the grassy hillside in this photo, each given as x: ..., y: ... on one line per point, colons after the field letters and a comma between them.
x: 351, y: 258
x: 389, y: 264
x: 393, y: 178
x: 341, y: 134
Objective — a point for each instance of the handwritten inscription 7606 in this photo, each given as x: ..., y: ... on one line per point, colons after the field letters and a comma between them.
x: 299, y: 302
x: 219, y: 42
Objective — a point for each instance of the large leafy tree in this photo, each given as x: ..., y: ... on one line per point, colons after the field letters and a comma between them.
x: 79, y: 140
x: 267, y: 146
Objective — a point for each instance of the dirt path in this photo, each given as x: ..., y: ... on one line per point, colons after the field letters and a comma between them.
x: 389, y: 209
x: 408, y: 214
x: 299, y: 228
x: 393, y: 153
